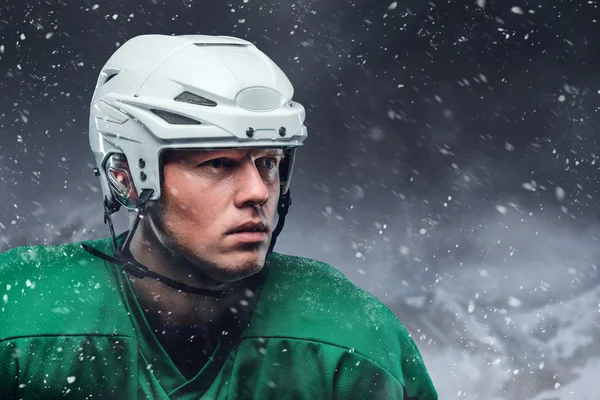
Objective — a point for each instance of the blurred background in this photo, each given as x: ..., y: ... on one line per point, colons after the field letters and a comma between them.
x: 450, y: 170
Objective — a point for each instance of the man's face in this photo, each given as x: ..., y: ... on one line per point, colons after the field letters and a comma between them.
x: 206, y: 196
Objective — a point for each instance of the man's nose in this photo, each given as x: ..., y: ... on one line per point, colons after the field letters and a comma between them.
x: 252, y: 187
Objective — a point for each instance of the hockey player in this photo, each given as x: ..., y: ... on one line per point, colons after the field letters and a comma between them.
x: 195, y: 136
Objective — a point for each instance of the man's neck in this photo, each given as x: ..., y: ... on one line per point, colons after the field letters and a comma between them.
x: 189, y: 327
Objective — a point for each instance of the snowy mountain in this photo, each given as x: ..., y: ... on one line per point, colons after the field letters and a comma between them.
x: 478, y: 350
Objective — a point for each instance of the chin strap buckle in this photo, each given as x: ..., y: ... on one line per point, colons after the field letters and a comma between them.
x: 284, y: 204
x: 137, y: 270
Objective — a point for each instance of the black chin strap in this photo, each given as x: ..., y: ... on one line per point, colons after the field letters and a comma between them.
x: 123, y: 258
x: 285, y: 201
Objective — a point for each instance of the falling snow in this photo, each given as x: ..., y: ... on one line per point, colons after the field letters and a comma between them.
x: 450, y: 170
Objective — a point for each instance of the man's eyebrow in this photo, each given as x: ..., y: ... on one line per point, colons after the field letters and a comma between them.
x: 272, y: 153
x: 209, y: 153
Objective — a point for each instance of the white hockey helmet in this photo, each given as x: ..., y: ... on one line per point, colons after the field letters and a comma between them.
x: 160, y: 92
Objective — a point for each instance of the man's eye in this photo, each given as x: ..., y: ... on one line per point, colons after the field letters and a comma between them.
x: 218, y: 163
x: 268, y: 162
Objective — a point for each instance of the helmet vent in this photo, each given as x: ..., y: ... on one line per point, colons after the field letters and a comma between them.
x: 187, y: 97
x: 175, y: 119
x: 109, y: 77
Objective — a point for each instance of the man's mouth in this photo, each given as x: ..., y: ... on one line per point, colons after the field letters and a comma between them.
x: 249, y: 227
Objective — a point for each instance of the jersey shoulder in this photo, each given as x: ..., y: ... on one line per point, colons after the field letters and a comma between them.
x: 58, y: 289
x: 313, y: 301
x: 314, y: 288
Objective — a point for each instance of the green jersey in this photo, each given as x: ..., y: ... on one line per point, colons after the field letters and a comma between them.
x: 71, y: 327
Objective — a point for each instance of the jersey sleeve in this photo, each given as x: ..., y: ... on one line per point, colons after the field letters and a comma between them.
x: 417, y: 382
x: 357, y: 377
x: 8, y: 371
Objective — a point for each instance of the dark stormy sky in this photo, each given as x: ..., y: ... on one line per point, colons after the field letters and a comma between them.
x: 446, y: 138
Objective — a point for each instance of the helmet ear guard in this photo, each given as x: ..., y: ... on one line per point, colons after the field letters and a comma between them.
x: 121, y: 183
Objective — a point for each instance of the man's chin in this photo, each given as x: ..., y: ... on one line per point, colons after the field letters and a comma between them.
x: 237, y: 266
x: 228, y: 276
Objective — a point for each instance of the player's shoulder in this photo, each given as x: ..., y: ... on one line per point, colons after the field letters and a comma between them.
x: 49, y: 289
x: 313, y: 305
x: 46, y: 262
x: 308, y: 298
x: 316, y: 283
